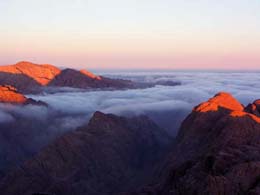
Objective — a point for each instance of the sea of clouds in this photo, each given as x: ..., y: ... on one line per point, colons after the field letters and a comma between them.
x: 166, y: 105
x: 26, y: 129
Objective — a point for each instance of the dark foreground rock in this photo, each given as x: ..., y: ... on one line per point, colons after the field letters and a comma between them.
x: 109, y: 155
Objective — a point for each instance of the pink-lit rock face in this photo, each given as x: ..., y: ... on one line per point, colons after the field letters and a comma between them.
x: 42, y: 74
x: 226, y: 101
x: 9, y: 94
x: 223, y: 100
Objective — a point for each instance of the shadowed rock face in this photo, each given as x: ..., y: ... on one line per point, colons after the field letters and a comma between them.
x: 217, y: 151
x: 21, y: 82
x: 85, y: 79
x: 254, y: 108
x: 109, y: 155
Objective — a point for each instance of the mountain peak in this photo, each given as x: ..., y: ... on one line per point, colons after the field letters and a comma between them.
x: 220, y: 100
x: 216, y: 150
x: 41, y: 73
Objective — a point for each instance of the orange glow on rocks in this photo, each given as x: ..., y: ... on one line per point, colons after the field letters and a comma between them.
x: 227, y: 101
x: 243, y: 114
x: 42, y: 74
x: 9, y: 94
x: 223, y: 100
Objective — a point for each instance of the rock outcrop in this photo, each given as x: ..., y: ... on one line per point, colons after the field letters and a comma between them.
x: 9, y: 94
x: 217, y: 151
x: 109, y: 155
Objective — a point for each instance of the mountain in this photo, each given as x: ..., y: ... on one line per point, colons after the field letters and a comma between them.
x: 217, y: 151
x: 9, y: 94
x: 85, y: 80
x: 42, y: 74
x: 29, y: 77
x: 108, y: 155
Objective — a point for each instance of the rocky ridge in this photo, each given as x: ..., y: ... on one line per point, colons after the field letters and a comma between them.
x: 217, y: 151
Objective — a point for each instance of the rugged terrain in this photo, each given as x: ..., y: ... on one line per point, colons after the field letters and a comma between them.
x: 109, y: 155
x: 217, y: 151
x: 29, y: 77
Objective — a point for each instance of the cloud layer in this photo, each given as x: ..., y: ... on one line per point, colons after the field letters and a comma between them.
x: 177, y: 100
x: 72, y: 108
x: 68, y: 109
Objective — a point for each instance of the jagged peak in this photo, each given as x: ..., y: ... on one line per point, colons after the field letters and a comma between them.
x: 227, y: 101
x: 223, y: 100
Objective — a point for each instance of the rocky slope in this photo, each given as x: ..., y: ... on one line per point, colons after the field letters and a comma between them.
x: 9, y: 94
x: 28, y: 77
x: 42, y: 74
x: 217, y: 151
x: 109, y: 155
x: 83, y: 79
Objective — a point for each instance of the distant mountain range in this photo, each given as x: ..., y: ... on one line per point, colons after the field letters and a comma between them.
x: 217, y: 151
x: 28, y: 77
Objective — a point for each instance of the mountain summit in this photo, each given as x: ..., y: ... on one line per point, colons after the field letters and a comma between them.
x: 41, y: 73
x: 217, y: 151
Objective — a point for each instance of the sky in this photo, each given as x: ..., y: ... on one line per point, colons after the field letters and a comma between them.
x: 132, y: 34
